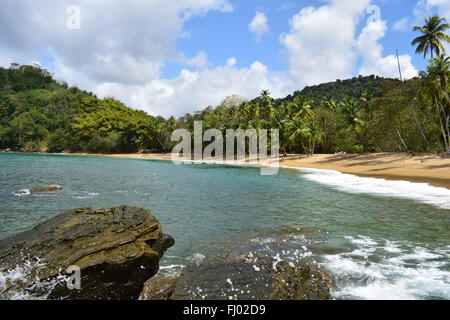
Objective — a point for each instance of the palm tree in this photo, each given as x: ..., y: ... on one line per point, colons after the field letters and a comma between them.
x: 433, y: 34
x: 267, y: 106
x: 329, y: 103
x: 301, y: 132
x: 313, y: 134
x: 351, y: 111
x: 435, y: 84
x: 280, y: 122
x: 296, y: 131
x: 440, y: 68
x: 301, y: 107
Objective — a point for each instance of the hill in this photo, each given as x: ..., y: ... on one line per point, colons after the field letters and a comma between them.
x: 363, y: 114
x: 341, y: 89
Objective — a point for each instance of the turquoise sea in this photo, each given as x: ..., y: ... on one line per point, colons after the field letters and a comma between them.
x: 388, y: 239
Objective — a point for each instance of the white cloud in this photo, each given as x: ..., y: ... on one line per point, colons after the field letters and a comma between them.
x: 371, y: 51
x: 259, y: 25
x: 320, y: 44
x: 443, y: 4
x: 443, y: 9
x: 120, y: 50
x: 231, y: 62
x: 199, y: 61
x: 116, y: 43
x: 401, y: 25
x: 196, y: 90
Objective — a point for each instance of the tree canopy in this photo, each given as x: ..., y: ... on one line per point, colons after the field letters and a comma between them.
x: 362, y: 114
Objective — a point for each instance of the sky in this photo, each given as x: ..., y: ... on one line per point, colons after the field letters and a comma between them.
x: 171, y: 57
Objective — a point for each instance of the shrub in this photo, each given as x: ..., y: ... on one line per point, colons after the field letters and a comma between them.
x: 357, y: 148
x: 101, y: 144
x: 57, y: 141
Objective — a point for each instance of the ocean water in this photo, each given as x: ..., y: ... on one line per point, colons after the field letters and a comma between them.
x: 388, y: 239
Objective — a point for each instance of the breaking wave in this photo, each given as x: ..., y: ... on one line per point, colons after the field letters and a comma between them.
x: 389, y: 270
x: 421, y: 192
x: 23, y: 283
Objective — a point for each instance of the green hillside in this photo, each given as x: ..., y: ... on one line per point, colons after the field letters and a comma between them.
x: 363, y: 114
x: 341, y: 89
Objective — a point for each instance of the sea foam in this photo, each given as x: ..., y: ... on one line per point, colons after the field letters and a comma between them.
x: 410, y: 273
x: 421, y: 192
x: 22, y: 282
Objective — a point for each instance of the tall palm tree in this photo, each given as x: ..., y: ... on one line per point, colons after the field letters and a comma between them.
x: 436, y: 85
x: 440, y: 68
x: 313, y: 134
x: 279, y: 121
x: 267, y: 105
x: 433, y: 35
x: 296, y: 132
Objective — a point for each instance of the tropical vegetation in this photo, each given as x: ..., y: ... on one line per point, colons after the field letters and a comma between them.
x: 362, y: 114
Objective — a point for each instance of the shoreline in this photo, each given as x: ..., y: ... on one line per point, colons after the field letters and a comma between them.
x: 423, y: 168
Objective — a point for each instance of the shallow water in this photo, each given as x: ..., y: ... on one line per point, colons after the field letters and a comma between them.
x: 392, y: 239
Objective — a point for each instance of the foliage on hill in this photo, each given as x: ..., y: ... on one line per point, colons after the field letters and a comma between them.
x: 340, y: 89
x: 39, y: 114
x: 364, y: 114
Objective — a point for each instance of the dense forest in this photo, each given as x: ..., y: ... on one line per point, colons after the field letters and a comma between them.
x: 338, y: 90
x: 363, y: 114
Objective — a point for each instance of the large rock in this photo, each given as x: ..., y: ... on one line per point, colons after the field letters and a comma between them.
x: 280, y: 269
x: 46, y: 189
x: 117, y: 250
x: 160, y: 287
x: 241, y: 280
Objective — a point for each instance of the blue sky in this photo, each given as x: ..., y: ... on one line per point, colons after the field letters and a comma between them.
x: 226, y: 35
x: 173, y: 57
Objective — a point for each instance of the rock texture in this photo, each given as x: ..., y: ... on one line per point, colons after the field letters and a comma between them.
x: 280, y: 270
x: 117, y: 250
x: 46, y: 189
x: 160, y: 287
x: 239, y: 280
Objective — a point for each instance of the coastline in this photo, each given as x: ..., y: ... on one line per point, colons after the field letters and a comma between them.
x: 423, y: 168
x: 354, y: 222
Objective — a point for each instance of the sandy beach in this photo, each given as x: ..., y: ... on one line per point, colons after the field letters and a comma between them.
x: 424, y: 168
x: 427, y: 168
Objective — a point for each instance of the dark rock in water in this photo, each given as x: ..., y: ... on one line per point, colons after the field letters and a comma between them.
x: 239, y: 280
x: 160, y: 287
x: 117, y: 250
x: 222, y: 280
x: 269, y: 271
x: 46, y: 189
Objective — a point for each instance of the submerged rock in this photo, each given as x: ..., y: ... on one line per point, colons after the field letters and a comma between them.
x: 117, y: 250
x: 46, y: 189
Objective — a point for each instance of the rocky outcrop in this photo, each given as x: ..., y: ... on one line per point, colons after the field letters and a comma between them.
x: 117, y: 250
x: 250, y: 272
x: 239, y: 280
x: 46, y: 189
x: 160, y: 287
